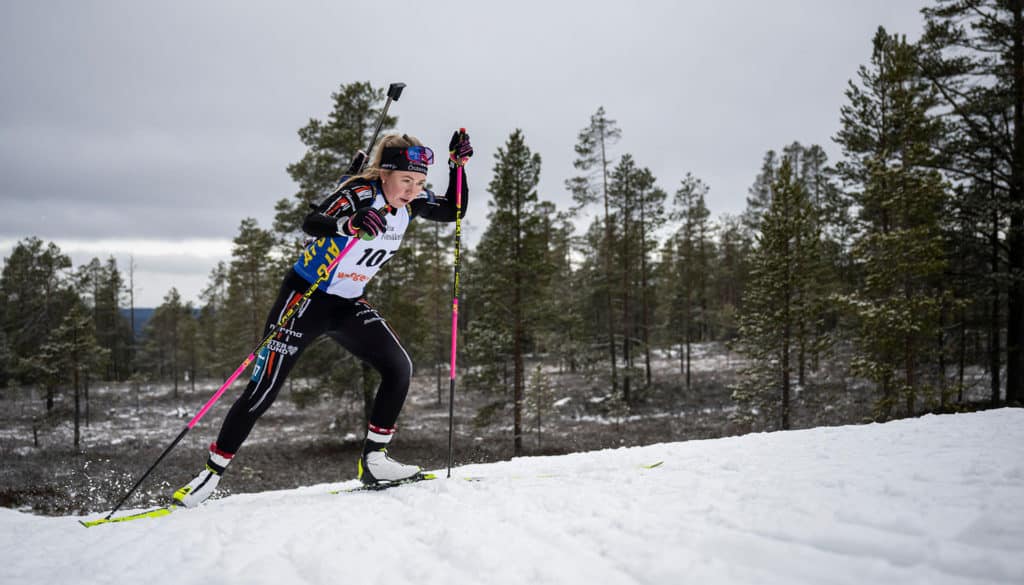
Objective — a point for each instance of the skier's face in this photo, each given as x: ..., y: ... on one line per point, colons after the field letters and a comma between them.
x: 401, y: 187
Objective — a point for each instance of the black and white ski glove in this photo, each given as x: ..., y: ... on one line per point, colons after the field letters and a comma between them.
x: 367, y: 223
x: 459, y: 149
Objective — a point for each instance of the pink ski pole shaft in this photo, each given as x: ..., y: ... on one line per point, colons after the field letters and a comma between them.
x: 209, y: 403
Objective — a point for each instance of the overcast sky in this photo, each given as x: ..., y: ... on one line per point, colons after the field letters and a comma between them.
x: 154, y: 128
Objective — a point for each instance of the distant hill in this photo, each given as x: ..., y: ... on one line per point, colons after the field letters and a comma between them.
x: 141, y: 316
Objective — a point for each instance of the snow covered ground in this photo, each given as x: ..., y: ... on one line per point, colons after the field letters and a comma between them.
x: 931, y: 500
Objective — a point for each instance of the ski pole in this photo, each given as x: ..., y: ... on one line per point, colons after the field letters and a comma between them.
x: 238, y: 371
x: 455, y: 312
x: 394, y: 92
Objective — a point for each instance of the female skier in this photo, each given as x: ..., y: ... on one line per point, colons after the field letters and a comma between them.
x: 375, y: 206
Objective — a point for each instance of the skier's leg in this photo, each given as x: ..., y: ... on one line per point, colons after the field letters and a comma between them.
x: 270, y: 371
x: 363, y: 331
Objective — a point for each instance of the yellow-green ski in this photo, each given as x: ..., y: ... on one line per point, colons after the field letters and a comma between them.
x: 154, y: 513
x: 376, y: 487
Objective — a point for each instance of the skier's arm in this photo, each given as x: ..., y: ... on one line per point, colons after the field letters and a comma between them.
x: 344, y: 202
x: 444, y: 208
x: 441, y: 207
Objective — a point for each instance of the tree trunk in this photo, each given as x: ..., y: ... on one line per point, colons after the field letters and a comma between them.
x: 86, y: 388
x: 78, y: 410
x: 626, y: 375
x: 608, y: 264
x: 910, y: 381
x: 995, y: 323
x: 518, y: 392
x: 688, y: 361
x: 77, y: 382
x: 1015, y: 237
x: 518, y: 332
x: 643, y: 290
x: 962, y: 365
x: 942, y: 357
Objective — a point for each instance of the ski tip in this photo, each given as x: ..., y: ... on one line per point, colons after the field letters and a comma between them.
x: 154, y: 513
x: 653, y: 465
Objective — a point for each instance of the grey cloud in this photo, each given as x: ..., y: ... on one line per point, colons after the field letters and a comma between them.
x: 178, y: 119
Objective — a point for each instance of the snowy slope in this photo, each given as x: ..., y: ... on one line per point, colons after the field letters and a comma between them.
x: 932, y: 500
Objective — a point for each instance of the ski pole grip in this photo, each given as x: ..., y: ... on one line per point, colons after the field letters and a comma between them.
x: 395, y: 90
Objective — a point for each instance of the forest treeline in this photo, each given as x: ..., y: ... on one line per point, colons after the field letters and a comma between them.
x: 900, y: 266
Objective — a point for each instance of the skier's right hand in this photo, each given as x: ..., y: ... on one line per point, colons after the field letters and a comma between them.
x: 367, y: 223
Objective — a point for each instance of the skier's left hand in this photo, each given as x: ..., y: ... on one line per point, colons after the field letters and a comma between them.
x: 459, y: 149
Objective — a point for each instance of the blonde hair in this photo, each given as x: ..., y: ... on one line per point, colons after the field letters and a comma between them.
x: 372, y: 171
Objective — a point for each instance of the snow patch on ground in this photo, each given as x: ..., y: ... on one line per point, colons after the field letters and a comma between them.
x: 930, y: 500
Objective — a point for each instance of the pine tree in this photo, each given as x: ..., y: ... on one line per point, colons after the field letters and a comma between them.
x: 888, y: 139
x: 594, y: 159
x: 540, y: 400
x: 560, y: 331
x: 510, y: 267
x: 330, y: 144
x: 253, y: 280
x: 651, y: 205
x: 623, y: 187
x: 71, y: 352
x: 434, y: 260
x: 168, y: 338
x: 36, y: 292
x: 779, y: 306
x: 694, y: 253
x: 974, y: 55
x: 637, y: 210
x: 759, y: 196
x: 213, y: 326
x: 732, y: 271
x: 101, y: 286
